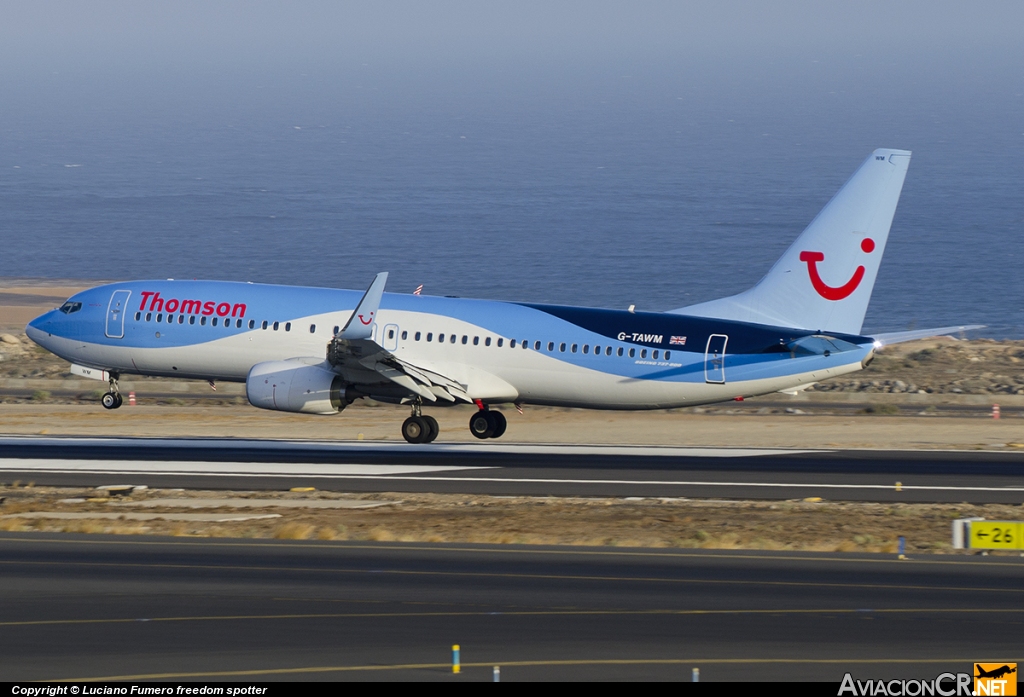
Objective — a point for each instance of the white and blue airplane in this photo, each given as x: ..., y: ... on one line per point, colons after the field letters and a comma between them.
x: 316, y: 350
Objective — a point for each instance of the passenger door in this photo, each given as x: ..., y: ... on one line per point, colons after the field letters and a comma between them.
x: 714, y: 359
x: 115, y: 313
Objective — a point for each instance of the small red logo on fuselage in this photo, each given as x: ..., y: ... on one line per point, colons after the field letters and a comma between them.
x: 189, y: 307
x: 826, y: 291
x: 366, y: 321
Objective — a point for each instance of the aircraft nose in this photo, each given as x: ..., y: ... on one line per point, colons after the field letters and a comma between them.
x: 37, y: 328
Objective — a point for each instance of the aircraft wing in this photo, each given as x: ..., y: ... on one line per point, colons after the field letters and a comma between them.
x: 363, y: 361
x: 900, y: 337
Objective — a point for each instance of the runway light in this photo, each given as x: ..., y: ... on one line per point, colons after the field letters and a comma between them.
x: 456, y: 668
x: 902, y: 547
x: 497, y: 673
x: 696, y: 675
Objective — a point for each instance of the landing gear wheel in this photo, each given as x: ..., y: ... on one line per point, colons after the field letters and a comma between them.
x: 120, y: 400
x: 416, y: 429
x: 111, y: 400
x: 500, y: 424
x: 434, y: 428
x: 481, y: 424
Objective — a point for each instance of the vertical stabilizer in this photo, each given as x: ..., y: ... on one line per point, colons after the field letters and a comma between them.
x: 824, y: 280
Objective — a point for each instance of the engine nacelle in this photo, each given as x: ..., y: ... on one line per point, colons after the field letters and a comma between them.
x: 295, y: 386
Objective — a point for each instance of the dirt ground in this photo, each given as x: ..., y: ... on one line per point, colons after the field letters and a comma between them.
x: 649, y: 522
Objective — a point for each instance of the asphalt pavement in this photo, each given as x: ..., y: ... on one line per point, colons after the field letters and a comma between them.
x: 102, y: 607
x: 518, y: 469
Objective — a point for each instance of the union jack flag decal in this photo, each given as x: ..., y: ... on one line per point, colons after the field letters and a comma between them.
x: 419, y: 290
x: 677, y: 341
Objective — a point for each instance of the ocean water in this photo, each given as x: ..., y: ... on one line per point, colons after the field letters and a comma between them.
x: 654, y: 196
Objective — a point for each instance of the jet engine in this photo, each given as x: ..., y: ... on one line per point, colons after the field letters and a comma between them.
x: 294, y: 385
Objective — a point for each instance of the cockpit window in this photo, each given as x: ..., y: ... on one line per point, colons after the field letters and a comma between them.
x: 69, y: 307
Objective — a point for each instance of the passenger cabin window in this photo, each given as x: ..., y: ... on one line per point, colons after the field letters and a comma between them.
x: 608, y: 351
x: 238, y: 324
x: 476, y: 341
x: 416, y: 336
x: 536, y: 346
x: 499, y: 342
x: 453, y: 338
x: 430, y: 336
x: 287, y: 326
x: 149, y: 316
x: 487, y: 341
x: 264, y: 325
x: 214, y: 322
x: 335, y: 330
x: 69, y: 307
x: 160, y: 317
x: 551, y: 346
x: 643, y: 353
x: 573, y: 349
x: 252, y: 324
x: 440, y: 338
x: 619, y: 351
x: 654, y: 355
x: 181, y: 319
x: 170, y: 319
x: 191, y: 319
x: 465, y: 339
x: 138, y: 316
x: 312, y: 329
x: 405, y: 335
x: 202, y: 321
x: 597, y: 350
x: 391, y: 333
x: 276, y: 325
x: 586, y: 348
x: 512, y: 343
x: 632, y: 352
x: 668, y: 355
x: 561, y: 347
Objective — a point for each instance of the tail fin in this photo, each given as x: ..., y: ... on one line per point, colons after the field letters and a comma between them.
x: 824, y: 280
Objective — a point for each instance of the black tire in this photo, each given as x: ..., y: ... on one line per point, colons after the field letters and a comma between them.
x: 435, y: 429
x: 109, y: 400
x: 415, y: 429
x: 481, y: 425
x: 500, y: 424
x: 120, y: 400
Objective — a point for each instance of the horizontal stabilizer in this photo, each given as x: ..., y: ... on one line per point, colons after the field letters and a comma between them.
x: 900, y: 337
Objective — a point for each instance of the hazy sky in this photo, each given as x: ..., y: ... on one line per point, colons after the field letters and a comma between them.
x: 438, y: 50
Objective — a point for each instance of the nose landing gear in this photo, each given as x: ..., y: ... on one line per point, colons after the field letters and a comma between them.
x: 112, y: 399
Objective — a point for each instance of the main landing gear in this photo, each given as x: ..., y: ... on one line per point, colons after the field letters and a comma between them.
x: 420, y: 428
x: 487, y: 424
x: 113, y: 398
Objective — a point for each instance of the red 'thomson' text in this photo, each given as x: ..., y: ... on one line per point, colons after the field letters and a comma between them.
x: 189, y: 307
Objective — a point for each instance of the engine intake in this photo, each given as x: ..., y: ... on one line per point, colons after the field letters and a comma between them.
x: 296, y: 386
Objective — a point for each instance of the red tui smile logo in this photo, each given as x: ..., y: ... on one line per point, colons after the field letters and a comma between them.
x: 826, y: 291
x: 367, y: 320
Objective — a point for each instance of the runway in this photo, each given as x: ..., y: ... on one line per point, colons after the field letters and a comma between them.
x: 511, y: 469
x: 99, y: 607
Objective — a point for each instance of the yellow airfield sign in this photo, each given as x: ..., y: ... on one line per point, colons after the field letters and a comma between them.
x: 996, y: 534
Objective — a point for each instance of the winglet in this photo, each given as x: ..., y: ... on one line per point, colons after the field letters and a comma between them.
x: 360, y: 324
